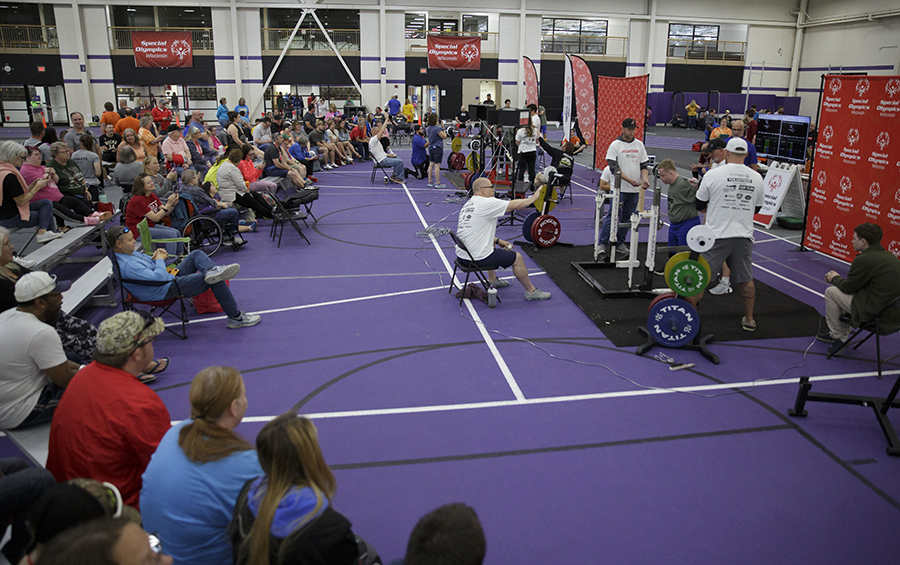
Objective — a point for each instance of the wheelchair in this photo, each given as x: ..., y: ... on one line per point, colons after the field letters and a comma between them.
x: 206, y: 233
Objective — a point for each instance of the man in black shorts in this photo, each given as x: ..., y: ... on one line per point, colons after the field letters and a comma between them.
x: 477, y: 228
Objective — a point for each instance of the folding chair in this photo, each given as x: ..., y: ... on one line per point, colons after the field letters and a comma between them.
x: 165, y: 306
x: 376, y: 166
x: 468, y: 267
x: 281, y: 216
x: 147, y: 240
x: 876, y: 328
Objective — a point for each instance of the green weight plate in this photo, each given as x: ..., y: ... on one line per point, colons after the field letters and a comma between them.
x: 689, y: 278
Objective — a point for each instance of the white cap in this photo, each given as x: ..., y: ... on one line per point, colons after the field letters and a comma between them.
x: 38, y: 283
x: 736, y: 145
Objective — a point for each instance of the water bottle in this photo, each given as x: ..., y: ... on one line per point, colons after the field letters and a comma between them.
x: 492, y: 297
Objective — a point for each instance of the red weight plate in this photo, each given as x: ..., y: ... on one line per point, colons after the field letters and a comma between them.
x: 663, y: 296
x: 545, y: 230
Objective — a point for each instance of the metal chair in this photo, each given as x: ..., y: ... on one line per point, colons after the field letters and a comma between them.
x: 468, y: 267
x: 376, y: 166
x: 165, y: 306
x: 875, y: 327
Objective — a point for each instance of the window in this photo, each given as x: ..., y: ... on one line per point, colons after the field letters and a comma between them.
x: 567, y: 35
x: 286, y: 18
x: 415, y: 25
x: 691, y: 41
x: 692, y: 32
x: 132, y: 16
x: 475, y: 23
x: 441, y: 24
x: 184, y: 17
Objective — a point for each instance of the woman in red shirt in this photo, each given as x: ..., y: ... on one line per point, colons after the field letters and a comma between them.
x: 145, y: 204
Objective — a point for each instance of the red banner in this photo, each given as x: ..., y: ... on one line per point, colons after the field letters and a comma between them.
x: 617, y: 99
x: 856, y: 178
x: 162, y: 49
x: 584, y: 97
x: 531, y: 82
x: 451, y: 52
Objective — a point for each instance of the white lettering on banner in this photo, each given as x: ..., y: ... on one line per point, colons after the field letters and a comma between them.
x: 894, y: 216
x: 832, y: 103
x: 843, y: 203
x: 824, y: 150
x: 888, y: 108
x: 871, y: 209
x: 850, y: 156
x: 819, y: 194
x: 859, y: 106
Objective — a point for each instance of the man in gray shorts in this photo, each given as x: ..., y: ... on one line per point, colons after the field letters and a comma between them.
x: 731, y: 194
x: 477, y: 228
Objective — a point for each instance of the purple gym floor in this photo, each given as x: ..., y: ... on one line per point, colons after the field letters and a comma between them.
x: 420, y: 403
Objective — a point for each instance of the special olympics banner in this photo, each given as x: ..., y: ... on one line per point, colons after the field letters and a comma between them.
x: 162, y: 49
x: 531, y: 82
x: 584, y: 97
x: 452, y: 52
x: 617, y: 99
x: 857, y: 164
x: 775, y: 185
x: 567, y: 100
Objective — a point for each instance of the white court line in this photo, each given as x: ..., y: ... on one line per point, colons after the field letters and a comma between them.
x: 782, y: 277
x: 569, y: 398
x: 504, y: 368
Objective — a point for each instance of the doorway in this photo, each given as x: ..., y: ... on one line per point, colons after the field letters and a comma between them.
x: 21, y: 105
x: 475, y: 90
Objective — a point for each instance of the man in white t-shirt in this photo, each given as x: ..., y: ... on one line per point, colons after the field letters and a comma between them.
x: 34, y: 369
x: 628, y: 155
x: 731, y: 194
x: 477, y: 227
x: 376, y: 149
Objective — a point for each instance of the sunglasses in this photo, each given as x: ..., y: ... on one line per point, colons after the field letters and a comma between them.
x: 139, y: 340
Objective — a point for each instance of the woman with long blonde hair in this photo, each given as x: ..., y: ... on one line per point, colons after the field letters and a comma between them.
x: 194, y: 478
x: 285, y: 516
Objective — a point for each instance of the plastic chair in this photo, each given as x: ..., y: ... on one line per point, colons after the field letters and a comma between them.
x: 147, y: 240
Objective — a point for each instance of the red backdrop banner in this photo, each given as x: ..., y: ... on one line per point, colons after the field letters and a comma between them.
x: 856, y: 178
x: 162, y: 49
x: 617, y: 99
x: 451, y: 52
x: 531, y: 82
x: 584, y: 98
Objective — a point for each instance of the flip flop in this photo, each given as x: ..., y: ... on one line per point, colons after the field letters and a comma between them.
x: 158, y: 366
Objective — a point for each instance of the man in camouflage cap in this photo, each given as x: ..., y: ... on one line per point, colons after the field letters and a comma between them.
x: 108, y: 423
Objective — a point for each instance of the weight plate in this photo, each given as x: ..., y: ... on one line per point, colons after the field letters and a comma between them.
x: 673, y: 322
x: 539, y: 203
x: 475, y: 145
x: 473, y: 162
x: 689, y: 278
x: 701, y: 239
x: 526, y: 226
x: 467, y: 181
x: 456, y: 144
x: 663, y: 296
x: 673, y: 260
x: 545, y: 230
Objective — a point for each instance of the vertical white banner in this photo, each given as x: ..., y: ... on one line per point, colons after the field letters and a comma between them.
x: 567, y: 100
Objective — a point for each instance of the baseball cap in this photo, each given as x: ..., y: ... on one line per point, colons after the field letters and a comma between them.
x: 37, y: 284
x: 123, y: 332
x: 736, y: 145
x: 629, y: 123
x: 717, y: 143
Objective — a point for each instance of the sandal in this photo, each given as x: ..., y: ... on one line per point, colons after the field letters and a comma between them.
x: 158, y: 366
x: 748, y: 326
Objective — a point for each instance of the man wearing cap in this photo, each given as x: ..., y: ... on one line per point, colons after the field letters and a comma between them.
x: 715, y: 148
x: 162, y: 116
x: 196, y: 274
x: 626, y: 154
x: 108, y: 424
x: 731, y: 194
x: 34, y: 369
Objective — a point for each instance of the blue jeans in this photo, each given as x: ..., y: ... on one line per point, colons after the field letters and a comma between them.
x: 41, y: 216
x: 165, y: 232
x: 692, y: 122
x: 628, y: 202
x: 230, y: 217
x: 191, y: 282
x: 20, y: 487
x: 396, y: 163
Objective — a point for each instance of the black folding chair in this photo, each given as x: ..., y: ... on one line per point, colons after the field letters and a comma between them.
x: 376, y: 166
x: 468, y: 267
x: 165, y: 306
x: 282, y: 216
x: 877, y: 328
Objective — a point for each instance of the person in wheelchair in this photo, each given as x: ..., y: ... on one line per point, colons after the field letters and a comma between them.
x: 205, y: 201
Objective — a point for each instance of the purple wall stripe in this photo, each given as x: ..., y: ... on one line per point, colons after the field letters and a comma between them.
x: 659, y: 65
x: 225, y: 81
x: 100, y: 57
x: 370, y: 81
x: 102, y: 81
x: 657, y: 86
x: 369, y: 58
x: 72, y: 80
x: 508, y: 83
x: 253, y: 81
x: 764, y: 89
x: 395, y: 58
x: 391, y: 81
x: 856, y: 68
x: 224, y: 57
x: 510, y: 61
x: 767, y: 68
x: 68, y: 57
x: 635, y: 64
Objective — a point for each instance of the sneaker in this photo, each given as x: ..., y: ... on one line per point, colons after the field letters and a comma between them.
x: 601, y: 255
x: 244, y: 321
x: 499, y: 283
x: 748, y: 326
x: 537, y: 295
x: 48, y: 236
x: 397, y: 180
x: 328, y: 167
x: 254, y: 226
x: 622, y: 250
x: 349, y: 161
x: 826, y: 337
x: 440, y: 186
x: 219, y: 274
x: 721, y: 288
x: 314, y: 179
x: 430, y: 185
x: 836, y: 347
x: 307, y: 182
x: 23, y: 262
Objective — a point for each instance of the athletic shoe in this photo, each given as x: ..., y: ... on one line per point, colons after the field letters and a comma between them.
x: 826, y: 337
x: 244, y: 321
x: 748, y: 326
x: 314, y: 179
x: 836, y: 346
x: 397, y: 180
x: 48, y: 236
x: 440, y: 186
x: 430, y: 185
x: 721, y: 288
x: 328, y: 167
x: 218, y: 274
x: 23, y: 262
x: 601, y: 255
x: 622, y: 250
x: 307, y: 182
x: 499, y: 283
x: 349, y: 161
x: 254, y: 226
x: 537, y: 295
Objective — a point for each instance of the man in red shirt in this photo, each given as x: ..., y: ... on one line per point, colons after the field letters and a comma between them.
x: 162, y: 116
x: 360, y: 141
x: 108, y: 423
